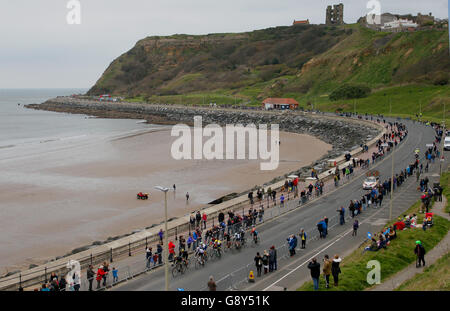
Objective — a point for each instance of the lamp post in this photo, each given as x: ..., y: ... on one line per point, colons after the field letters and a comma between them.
x: 166, y: 243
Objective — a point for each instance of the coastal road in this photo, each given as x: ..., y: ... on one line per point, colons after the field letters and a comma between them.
x: 231, y: 271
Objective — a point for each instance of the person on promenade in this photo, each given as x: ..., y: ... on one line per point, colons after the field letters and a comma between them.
x: 204, y: 218
x: 258, y: 263
x: 326, y: 270
x: 282, y: 200
x: 159, y: 250
x: 314, y: 268
x: 212, y: 284
x: 100, y: 273
x: 106, y: 271
x: 198, y: 218
x: 187, y: 197
x: 303, y: 238
x: 161, y: 235
x: 90, y: 276
x: 335, y: 269
x: 265, y: 260
x: 148, y: 256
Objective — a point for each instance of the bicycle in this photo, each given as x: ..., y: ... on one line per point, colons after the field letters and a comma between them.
x: 179, y: 268
x: 216, y: 253
x: 256, y: 241
x: 199, y: 262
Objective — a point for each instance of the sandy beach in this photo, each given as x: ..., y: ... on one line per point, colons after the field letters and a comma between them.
x: 54, y: 201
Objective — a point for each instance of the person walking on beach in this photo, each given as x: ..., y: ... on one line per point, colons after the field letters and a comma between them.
x: 187, y: 197
x: 314, y: 268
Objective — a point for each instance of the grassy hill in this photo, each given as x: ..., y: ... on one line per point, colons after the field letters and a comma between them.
x: 404, y: 70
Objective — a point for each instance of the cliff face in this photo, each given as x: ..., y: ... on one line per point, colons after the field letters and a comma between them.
x: 182, y: 63
x: 281, y: 61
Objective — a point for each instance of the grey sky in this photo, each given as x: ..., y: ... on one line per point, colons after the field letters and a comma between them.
x: 40, y: 50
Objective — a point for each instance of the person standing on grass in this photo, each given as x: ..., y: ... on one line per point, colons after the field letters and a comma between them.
x: 326, y: 270
x: 258, y: 263
x: 420, y: 253
x: 355, y: 227
x: 335, y: 269
x: 314, y: 267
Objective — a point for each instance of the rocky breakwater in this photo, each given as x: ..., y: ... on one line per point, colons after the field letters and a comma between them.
x: 344, y: 134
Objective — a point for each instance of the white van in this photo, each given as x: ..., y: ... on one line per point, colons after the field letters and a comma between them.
x: 447, y: 143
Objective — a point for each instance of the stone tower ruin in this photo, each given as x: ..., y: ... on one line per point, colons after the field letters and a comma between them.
x: 335, y: 14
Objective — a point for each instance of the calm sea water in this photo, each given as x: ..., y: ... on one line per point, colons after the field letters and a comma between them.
x: 22, y: 128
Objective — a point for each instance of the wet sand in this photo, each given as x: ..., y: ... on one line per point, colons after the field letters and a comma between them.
x: 53, y: 202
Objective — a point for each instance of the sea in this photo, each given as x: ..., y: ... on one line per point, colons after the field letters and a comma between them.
x: 24, y: 130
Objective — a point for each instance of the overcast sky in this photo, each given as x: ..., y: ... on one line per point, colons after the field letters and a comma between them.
x: 39, y: 49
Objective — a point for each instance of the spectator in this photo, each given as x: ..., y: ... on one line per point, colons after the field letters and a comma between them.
x: 335, y: 269
x: 265, y: 260
x: 272, y: 259
x: 212, y: 284
x: 90, y: 276
x: 314, y: 267
x: 355, y: 227
x: 258, y: 263
x: 327, y: 270
x: 303, y: 238
x: 419, y: 250
x: 115, y: 273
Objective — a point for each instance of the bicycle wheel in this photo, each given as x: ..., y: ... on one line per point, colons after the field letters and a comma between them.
x: 174, y: 271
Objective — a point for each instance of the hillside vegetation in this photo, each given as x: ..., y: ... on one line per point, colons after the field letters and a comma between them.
x: 307, y: 62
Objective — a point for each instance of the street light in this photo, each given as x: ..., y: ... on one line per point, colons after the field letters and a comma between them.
x: 166, y: 260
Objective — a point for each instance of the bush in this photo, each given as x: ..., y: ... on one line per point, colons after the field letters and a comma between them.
x: 441, y: 79
x: 346, y: 91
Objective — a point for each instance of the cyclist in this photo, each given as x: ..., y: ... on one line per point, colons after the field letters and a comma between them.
x: 217, y: 246
x: 200, y: 252
x: 254, y: 233
x: 242, y: 236
x: 178, y: 261
x: 237, y: 239
x: 228, y: 239
x: 184, y: 254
